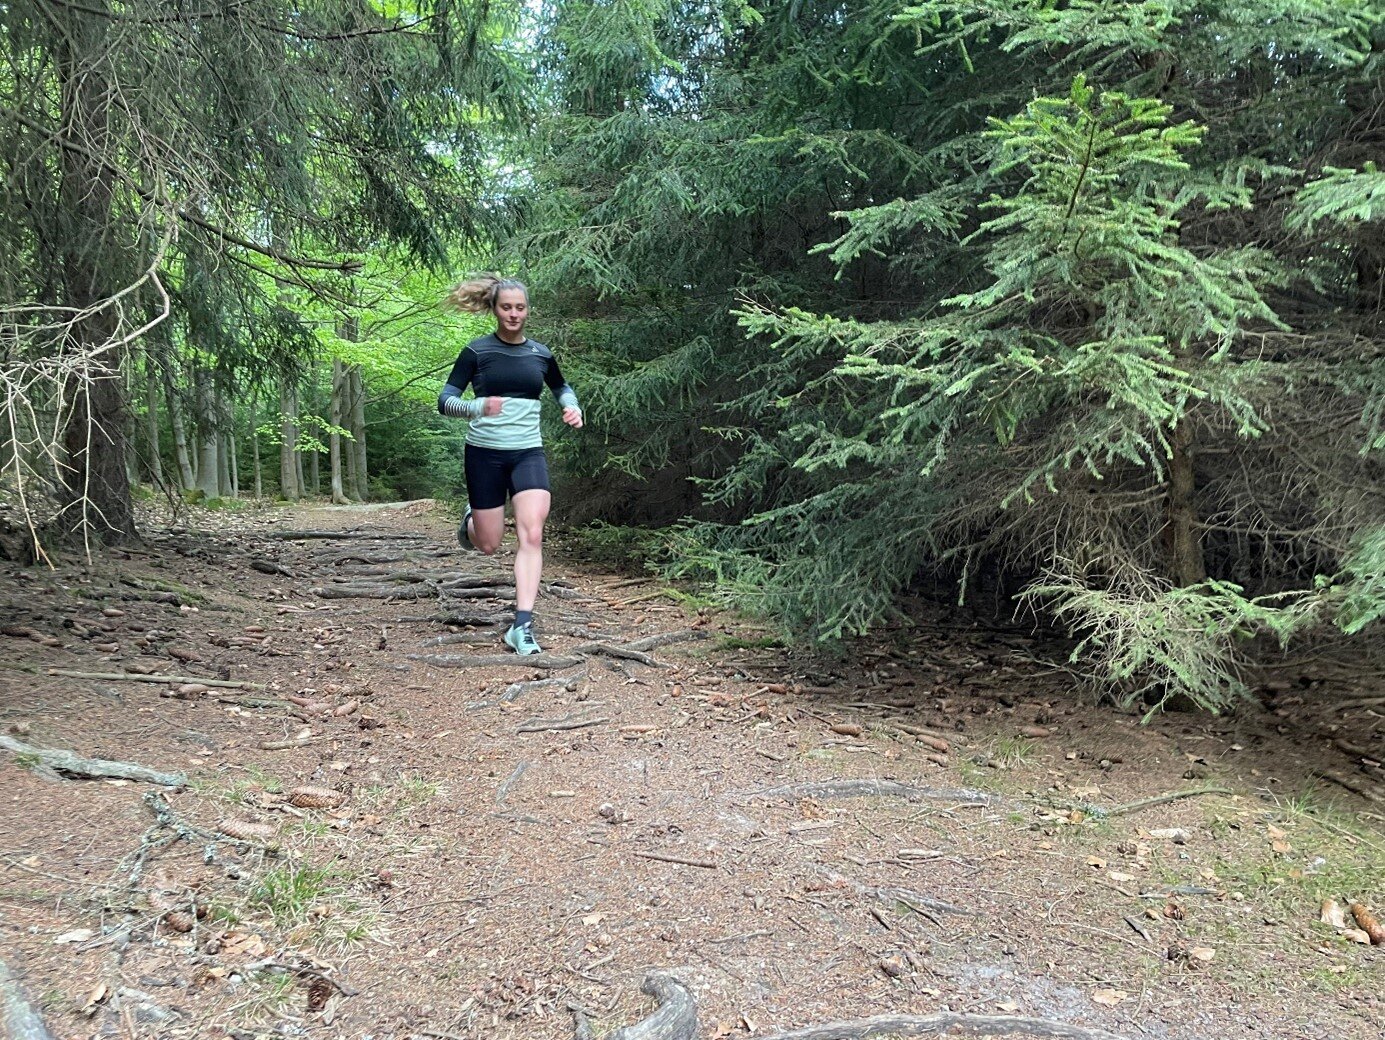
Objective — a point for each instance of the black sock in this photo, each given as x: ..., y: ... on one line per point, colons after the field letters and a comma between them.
x: 523, y: 617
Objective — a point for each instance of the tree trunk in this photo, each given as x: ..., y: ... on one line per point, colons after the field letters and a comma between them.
x: 357, y: 427
x: 255, y: 443
x: 96, y: 492
x: 208, y: 440
x: 334, y: 438
x: 151, y: 419
x: 222, y: 415
x: 289, y: 485
x: 180, y: 431
x: 234, y: 462
x: 1185, y: 545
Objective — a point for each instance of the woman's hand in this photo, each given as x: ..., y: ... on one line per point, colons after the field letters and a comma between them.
x: 573, y: 417
x: 493, y: 406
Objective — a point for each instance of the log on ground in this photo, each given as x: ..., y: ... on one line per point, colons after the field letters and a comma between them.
x: 70, y: 764
x: 877, y: 789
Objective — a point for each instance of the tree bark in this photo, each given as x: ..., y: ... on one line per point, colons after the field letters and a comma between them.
x: 222, y: 418
x: 357, y: 445
x: 1185, y: 544
x: 255, y: 443
x: 96, y: 492
x: 334, y: 438
x: 208, y: 440
x: 151, y: 418
x: 289, y: 485
x: 186, y: 476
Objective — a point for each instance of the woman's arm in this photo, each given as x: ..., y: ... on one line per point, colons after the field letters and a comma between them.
x: 450, y: 401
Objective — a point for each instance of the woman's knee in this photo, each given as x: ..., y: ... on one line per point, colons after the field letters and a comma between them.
x: 529, y: 531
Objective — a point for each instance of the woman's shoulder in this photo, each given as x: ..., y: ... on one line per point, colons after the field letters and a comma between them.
x: 540, y: 348
x: 480, y: 343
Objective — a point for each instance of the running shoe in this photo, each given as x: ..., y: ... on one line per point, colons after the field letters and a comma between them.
x: 463, y: 539
x: 520, y: 638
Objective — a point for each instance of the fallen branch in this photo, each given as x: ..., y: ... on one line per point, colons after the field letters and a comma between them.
x: 543, y: 661
x: 878, y: 789
x: 17, y: 1016
x: 229, y: 684
x: 1145, y: 803
x: 919, y: 903
x: 67, y: 762
x: 567, y: 722
x: 944, y: 1022
x: 675, y: 1018
x: 664, y: 857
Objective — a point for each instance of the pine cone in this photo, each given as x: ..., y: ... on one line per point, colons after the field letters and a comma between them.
x: 315, y: 797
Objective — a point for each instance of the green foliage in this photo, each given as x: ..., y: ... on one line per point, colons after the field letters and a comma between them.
x: 1061, y: 292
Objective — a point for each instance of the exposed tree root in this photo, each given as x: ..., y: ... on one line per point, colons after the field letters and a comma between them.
x: 878, y: 789
x: 384, y: 536
x: 675, y: 1019
x: 70, y: 764
x: 684, y: 635
x: 270, y: 567
x: 18, y: 1019
x: 944, y: 1022
x: 611, y: 650
x: 542, y: 661
x: 516, y: 690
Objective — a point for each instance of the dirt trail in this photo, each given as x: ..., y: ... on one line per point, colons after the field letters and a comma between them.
x: 935, y: 825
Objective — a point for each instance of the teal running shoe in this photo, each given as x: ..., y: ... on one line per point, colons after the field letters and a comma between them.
x: 520, y: 639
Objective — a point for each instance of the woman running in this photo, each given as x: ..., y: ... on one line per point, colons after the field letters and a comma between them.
x: 504, y: 450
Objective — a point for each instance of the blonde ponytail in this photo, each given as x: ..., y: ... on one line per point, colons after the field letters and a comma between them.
x: 477, y: 295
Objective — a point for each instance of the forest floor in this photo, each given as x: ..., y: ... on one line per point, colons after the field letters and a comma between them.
x: 935, y: 825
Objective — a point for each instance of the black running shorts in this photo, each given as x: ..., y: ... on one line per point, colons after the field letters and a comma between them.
x: 492, y: 472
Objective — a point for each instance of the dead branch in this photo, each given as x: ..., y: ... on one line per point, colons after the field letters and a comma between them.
x: 20, y: 1020
x: 944, y: 1022
x: 578, y: 721
x: 687, y: 861
x: 1145, y: 803
x: 675, y: 1018
x: 68, y: 763
x: 543, y: 661
x: 877, y: 789
x: 919, y: 903
x: 229, y: 684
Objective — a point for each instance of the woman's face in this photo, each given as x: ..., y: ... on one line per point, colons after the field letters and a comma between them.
x: 511, y: 312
